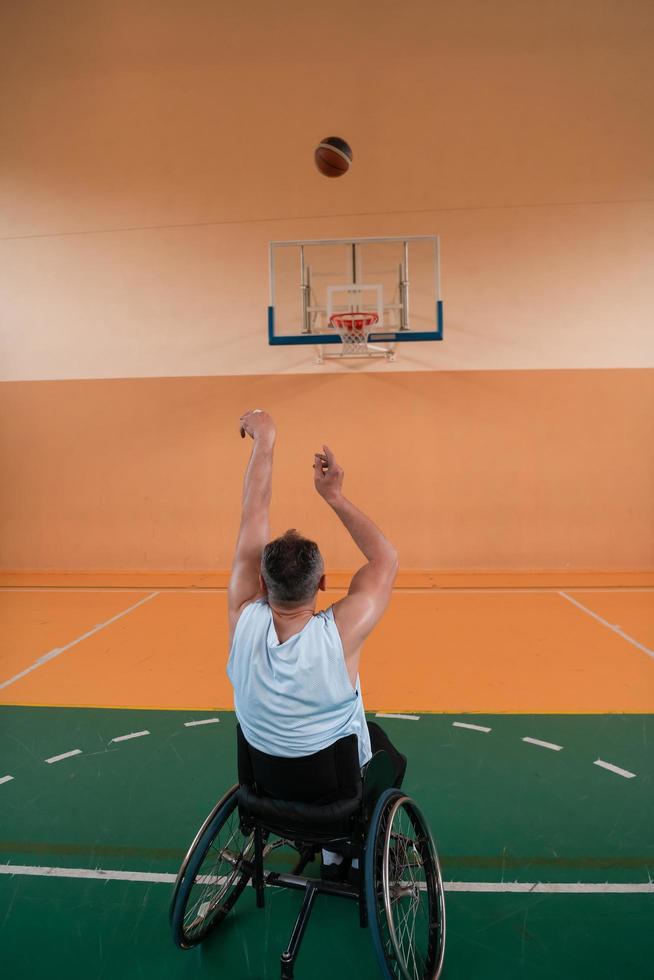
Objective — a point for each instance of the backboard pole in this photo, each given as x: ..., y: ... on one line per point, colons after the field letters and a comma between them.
x: 437, y: 263
x: 304, y: 287
x: 404, y: 289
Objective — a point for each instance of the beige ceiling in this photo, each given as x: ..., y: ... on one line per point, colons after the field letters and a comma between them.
x: 138, y: 114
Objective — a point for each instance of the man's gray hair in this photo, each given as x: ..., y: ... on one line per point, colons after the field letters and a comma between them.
x: 291, y: 567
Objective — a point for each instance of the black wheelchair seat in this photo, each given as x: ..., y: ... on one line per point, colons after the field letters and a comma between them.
x: 314, y: 795
x: 319, y: 822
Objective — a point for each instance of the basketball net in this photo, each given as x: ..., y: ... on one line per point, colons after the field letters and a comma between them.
x: 354, y: 330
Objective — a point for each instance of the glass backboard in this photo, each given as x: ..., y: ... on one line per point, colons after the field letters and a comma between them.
x: 393, y: 283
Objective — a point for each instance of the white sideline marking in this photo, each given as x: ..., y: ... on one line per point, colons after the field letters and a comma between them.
x: 474, y: 728
x: 537, y: 887
x: 97, y: 873
x: 124, y: 738
x: 611, y: 626
x: 549, y: 887
x: 202, y: 721
x: 616, y: 769
x: 57, y: 650
x: 543, y: 745
x: 386, y: 714
x: 5, y: 779
x: 66, y: 755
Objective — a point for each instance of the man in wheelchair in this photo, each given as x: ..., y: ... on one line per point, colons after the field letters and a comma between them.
x: 304, y: 745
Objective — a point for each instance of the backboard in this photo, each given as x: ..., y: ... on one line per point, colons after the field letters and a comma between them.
x: 396, y: 281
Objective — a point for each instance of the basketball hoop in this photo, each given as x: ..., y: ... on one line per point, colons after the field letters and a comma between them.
x: 354, y: 330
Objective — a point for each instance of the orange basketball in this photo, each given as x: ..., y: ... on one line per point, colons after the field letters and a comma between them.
x: 333, y: 156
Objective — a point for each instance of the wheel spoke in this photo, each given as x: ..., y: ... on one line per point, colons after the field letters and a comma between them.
x: 409, y: 890
x: 219, y: 877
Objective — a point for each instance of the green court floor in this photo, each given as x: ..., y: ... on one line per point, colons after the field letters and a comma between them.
x: 501, y: 809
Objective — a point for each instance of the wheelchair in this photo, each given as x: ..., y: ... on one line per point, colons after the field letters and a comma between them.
x: 307, y: 803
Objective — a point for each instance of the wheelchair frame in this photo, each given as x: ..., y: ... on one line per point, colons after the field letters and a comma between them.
x: 369, y: 839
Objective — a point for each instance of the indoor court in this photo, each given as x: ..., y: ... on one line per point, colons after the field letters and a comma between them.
x: 464, y: 317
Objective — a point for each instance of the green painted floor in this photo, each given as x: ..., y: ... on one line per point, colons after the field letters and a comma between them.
x: 500, y: 809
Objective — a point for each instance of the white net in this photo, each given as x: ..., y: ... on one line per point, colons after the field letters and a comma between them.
x: 354, y: 330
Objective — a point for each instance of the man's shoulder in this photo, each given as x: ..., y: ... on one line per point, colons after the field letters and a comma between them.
x: 327, y: 613
x: 248, y: 612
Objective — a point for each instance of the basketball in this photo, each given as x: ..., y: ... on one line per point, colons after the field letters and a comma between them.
x: 333, y: 156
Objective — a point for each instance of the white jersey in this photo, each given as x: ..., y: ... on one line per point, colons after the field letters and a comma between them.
x: 294, y: 698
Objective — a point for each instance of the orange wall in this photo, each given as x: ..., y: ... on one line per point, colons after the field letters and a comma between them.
x: 149, y: 153
x: 503, y: 470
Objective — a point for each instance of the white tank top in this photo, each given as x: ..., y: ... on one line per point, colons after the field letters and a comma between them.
x: 294, y: 698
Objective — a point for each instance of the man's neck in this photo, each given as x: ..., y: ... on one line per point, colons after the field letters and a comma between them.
x: 296, y: 612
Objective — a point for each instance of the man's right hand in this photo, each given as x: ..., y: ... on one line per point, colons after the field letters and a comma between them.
x: 257, y: 424
x: 327, y: 475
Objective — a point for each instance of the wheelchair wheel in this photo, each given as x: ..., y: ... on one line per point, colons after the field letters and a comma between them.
x: 212, y: 875
x: 404, y: 891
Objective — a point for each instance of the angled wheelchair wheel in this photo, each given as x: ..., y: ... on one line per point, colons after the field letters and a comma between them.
x: 404, y: 891
x: 213, y: 874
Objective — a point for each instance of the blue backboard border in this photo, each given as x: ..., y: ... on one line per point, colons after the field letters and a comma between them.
x: 392, y: 337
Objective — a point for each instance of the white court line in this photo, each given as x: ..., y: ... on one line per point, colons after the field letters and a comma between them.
x: 5, y: 779
x: 443, y: 589
x: 611, y: 626
x: 550, y: 887
x: 543, y: 745
x: 202, y: 721
x: 66, y: 755
x: 57, y: 650
x: 474, y: 728
x: 616, y: 769
x: 124, y: 738
x: 82, y: 588
x: 96, y: 873
x: 386, y: 714
x: 535, y: 887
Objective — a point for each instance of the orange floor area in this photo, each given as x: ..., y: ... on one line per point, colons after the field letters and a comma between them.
x: 34, y: 623
x: 436, y: 650
x: 632, y: 612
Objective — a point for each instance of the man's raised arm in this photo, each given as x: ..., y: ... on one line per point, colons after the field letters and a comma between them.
x: 370, y: 590
x: 254, y: 531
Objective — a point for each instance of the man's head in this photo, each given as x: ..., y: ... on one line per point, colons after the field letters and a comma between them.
x: 292, y: 569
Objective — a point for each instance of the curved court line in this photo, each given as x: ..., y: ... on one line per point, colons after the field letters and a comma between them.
x: 549, y: 745
x: 484, y: 887
x: 59, y: 650
x: 387, y: 714
x: 611, y: 626
x: 64, y: 755
x: 626, y: 773
x: 126, y: 738
x: 615, y: 769
x: 543, y: 745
